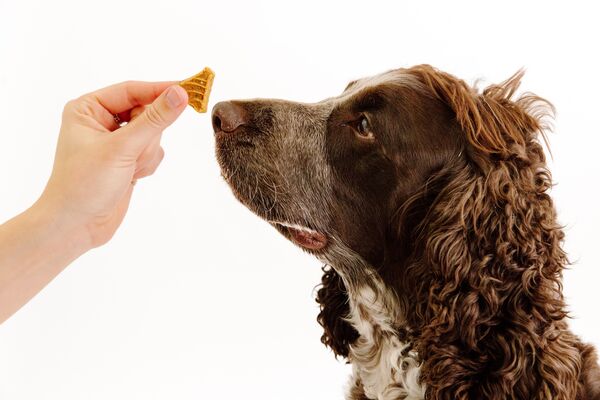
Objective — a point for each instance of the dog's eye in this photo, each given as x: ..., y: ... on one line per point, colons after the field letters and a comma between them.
x: 363, y: 128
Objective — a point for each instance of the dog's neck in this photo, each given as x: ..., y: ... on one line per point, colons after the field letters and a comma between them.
x: 385, y: 363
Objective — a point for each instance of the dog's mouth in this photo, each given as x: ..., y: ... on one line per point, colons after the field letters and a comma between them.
x: 303, y: 236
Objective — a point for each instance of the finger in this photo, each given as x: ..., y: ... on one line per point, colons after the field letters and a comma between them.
x: 127, y: 116
x: 151, y: 166
x: 156, y: 117
x: 127, y: 95
x: 88, y: 107
x: 135, y: 112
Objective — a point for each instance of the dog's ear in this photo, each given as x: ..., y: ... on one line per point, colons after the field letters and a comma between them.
x: 333, y: 301
x: 493, y: 123
x: 490, y: 250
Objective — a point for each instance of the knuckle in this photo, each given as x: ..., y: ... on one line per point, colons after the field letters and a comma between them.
x: 81, y: 105
x: 154, y: 117
x: 70, y: 106
x: 87, y: 104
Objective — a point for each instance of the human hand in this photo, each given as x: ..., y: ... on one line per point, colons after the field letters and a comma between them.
x: 97, y: 162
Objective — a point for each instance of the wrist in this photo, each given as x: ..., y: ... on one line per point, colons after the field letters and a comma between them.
x: 70, y: 234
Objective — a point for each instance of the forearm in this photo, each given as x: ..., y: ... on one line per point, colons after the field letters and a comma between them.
x: 35, y: 246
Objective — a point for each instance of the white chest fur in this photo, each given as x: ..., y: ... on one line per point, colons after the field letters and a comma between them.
x: 386, y: 366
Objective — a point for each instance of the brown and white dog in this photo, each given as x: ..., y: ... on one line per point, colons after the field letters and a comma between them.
x: 427, y: 201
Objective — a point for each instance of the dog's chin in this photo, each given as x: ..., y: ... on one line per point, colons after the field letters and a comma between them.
x: 305, y: 237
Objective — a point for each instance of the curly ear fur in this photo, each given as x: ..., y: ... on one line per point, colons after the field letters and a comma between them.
x: 333, y: 302
x: 494, y: 317
x: 492, y: 122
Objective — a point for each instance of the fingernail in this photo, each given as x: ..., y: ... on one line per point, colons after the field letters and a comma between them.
x: 175, y: 96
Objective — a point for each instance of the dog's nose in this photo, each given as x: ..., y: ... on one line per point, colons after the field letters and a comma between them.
x: 227, y: 116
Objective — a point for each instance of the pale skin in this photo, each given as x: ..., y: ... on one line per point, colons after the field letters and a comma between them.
x: 96, y: 165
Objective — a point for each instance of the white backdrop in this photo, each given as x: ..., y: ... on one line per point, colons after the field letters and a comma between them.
x: 196, y: 298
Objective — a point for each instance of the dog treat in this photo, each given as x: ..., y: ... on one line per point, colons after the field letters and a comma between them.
x: 198, y: 89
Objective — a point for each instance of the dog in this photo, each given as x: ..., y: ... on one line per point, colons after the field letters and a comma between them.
x: 427, y: 201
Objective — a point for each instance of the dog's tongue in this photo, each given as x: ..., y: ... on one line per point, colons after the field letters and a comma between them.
x: 309, y: 240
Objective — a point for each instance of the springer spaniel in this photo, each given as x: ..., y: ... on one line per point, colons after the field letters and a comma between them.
x: 428, y: 203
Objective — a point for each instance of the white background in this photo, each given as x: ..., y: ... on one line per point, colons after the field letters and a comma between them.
x: 195, y: 297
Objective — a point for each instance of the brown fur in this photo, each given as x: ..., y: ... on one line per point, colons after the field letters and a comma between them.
x: 333, y: 299
x: 492, y: 250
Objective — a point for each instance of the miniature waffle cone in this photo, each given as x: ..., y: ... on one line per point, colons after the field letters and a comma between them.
x: 198, y: 89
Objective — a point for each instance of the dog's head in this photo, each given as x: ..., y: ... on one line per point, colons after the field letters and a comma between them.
x: 337, y: 170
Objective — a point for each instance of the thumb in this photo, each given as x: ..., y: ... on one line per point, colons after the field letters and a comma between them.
x: 156, y: 117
